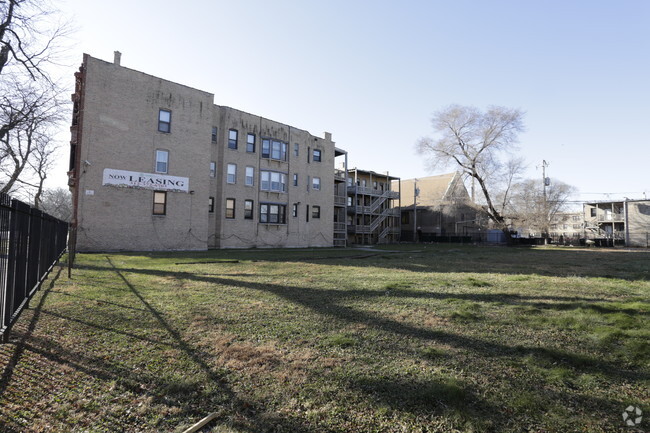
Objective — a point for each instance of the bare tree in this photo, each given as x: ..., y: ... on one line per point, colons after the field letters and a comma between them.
x: 531, y: 208
x: 58, y: 203
x: 41, y: 164
x: 31, y: 103
x: 481, y: 145
x: 24, y: 145
x: 29, y: 37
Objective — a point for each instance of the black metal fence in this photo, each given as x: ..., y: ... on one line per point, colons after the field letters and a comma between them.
x: 31, y: 242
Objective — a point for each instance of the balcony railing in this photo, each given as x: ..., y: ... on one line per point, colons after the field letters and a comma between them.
x: 371, y: 191
x: 339, y: 174
x: 339, y: 227
x: 610, y: 217
x: 340, y: 200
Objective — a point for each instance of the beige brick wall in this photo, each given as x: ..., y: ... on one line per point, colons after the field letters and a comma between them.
x: 297, y: 232
x: 120, y: 131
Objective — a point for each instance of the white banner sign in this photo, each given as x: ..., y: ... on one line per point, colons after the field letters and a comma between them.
x: 132, y: 179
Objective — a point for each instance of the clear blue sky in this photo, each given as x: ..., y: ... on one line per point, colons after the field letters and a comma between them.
x: 373, y: 72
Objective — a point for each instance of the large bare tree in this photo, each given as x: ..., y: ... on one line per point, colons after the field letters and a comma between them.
x: 481, y: 144
x: 57, y: 202
x: 31, y: 103
x: 30, y: 33
x: 534, y: 207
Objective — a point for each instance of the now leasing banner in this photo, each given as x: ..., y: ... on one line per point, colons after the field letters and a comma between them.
x: 132, y: 179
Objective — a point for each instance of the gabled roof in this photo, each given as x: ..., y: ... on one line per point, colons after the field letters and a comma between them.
x: 434, y: 189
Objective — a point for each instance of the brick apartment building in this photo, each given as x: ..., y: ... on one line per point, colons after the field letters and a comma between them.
x: 156, y: 165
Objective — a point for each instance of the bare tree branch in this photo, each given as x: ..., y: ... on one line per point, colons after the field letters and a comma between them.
x: 475, y: 141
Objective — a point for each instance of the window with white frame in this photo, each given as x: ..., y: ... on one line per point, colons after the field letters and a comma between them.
x: 213, y: 168
x: 315, y: 212
x: 232, y: 173
x: 210, y: 204
x: 250, y: 176
x: 162, y: 161
x: 273, y: 181
x: 295, y: 179
x: 294, y: 210
x: 315, y: 183
x: 271, y: 213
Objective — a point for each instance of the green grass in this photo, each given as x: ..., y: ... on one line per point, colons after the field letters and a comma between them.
x: 402, y: 338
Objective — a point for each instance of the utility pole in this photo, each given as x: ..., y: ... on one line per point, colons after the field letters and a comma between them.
x: 416, y: 192
x: 544, y: 179
x: 546, y: 182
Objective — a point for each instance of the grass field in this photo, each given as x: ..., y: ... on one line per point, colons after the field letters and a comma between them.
x: 409, y: 338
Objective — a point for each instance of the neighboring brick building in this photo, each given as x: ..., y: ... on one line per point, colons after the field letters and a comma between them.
x: 444, y: 208
x: 157, y: 165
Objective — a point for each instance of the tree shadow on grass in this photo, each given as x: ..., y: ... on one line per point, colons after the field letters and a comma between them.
x: 328, y: 303
x: 628, y: 265
x: 192, y: 398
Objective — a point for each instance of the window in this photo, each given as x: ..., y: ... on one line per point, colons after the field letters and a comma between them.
x: 230, y: 208
x: 272, y: 213
x: 273, y: 181
x: 317, y: 155
x: 593, y: 212
x: 250, y: 143
x: 159, y: 203
x: 295, y: 179
x: 296, y: 149
x: 214, y: 134
x: 294, y: 210
x: 274, y: 149
x: 213, y: 169
x: 232, y: 139
x: 164, y: 121
x: 405, y: 218
x: 232, y: 173
x: 248, y: 209
x: 250, y: 176
x: 315, y: 211
x: 162, y: 160
x: 315, y: 183
x: 211, y: 204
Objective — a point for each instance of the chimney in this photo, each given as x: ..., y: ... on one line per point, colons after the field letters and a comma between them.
x: 117, y: 57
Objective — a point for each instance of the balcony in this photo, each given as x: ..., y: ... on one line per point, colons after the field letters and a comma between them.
x: 339, y: 227
x: 340, y: 200
x: 354, y: 189
x: 339, y: 175
x: 605, y: 217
